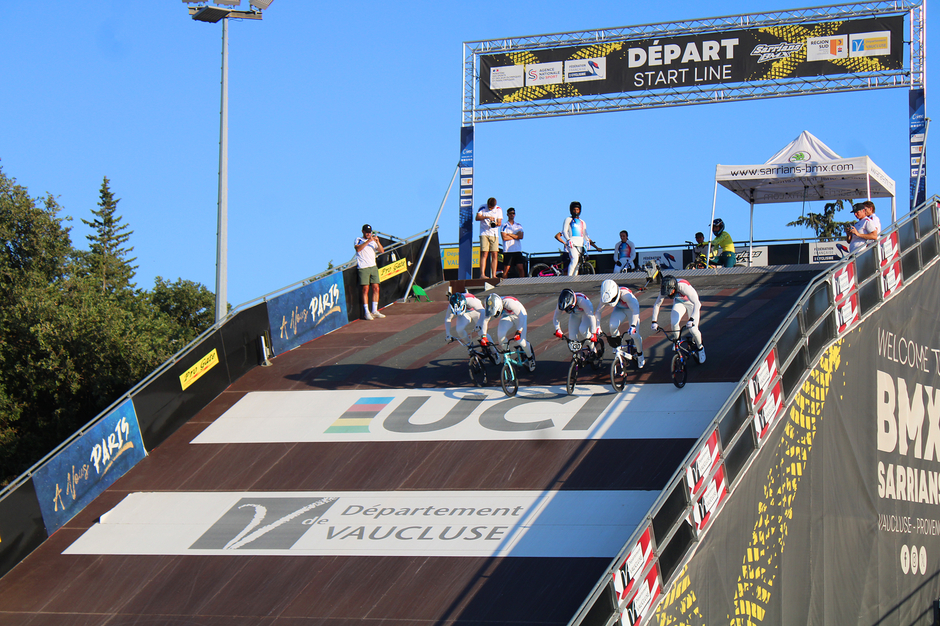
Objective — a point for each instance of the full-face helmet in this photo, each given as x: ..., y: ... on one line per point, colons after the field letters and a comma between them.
x: 610, y: 292
x: 718, y: 226
x: 575, y: 209
x: 458, y: 303
x: 494, y: 305
x: 669, y: 287
x: 567, y: 301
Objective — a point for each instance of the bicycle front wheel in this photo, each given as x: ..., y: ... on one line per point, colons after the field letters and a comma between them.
x: 679, y: 371
x: 477, y: 371
x: 572, y: 376
x: 618, y: 373
x: 541, y: 269
x: 586, y: 269
x: 507, y: 377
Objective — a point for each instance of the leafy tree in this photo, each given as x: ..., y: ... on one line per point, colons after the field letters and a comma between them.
x: 34, y: 240
x: 190, y: 306
x: 107, y: 256
x: 824, y: 224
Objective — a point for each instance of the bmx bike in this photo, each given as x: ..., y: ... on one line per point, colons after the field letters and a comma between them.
x: 479, y: 357
x: 581, y: 356
x: 559, y: 269
x: 684, y: 351
x: 625, y: 353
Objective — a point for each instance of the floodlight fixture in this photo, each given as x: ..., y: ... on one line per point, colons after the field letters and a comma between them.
x: 261, y: 4
x: 210, y: 14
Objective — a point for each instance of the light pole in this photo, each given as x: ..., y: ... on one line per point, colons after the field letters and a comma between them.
x: 215, y: 14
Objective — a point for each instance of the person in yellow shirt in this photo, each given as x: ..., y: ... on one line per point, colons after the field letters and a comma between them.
x: 722, y: 246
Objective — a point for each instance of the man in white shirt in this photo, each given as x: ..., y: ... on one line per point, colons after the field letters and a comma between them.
x: 866, y: 229
x: 512, y: 244
x: 490, y: 218
x: 366, y: 247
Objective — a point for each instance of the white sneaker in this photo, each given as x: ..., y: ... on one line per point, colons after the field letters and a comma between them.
x: 368, y: 316
x: 377, y: 315
x: 532, y: 364
x: 640, y: 361
x: 701, y: 354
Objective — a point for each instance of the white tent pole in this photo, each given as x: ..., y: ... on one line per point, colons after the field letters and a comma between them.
x: 708, y: 253
x: 750, y: 243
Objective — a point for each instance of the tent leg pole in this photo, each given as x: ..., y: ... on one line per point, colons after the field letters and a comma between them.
x: 708, y: 252
x: 750, y: 243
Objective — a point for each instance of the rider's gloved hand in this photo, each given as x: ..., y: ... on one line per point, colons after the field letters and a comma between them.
x: 689, y: 324
x: 559, y: 334
x: 632, y: 330
x: 654, y: 326
x: 484, y: 341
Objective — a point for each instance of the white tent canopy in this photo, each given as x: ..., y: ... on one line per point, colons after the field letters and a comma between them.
x: 806, y: 169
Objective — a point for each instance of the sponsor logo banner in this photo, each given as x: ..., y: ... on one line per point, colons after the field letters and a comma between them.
x: 393, y: 269
x: 640, y: 412
x: 418, y: 523
x: 683, y: 61
x: 202, y: 366
x: 89, y: 465
x: 307, y: 312
x: 827, y: 251
x: 667, y: 259
x: 450, y: 257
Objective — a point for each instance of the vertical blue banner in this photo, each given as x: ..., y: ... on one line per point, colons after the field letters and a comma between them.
x: 465, y: 241
x: 89, y: 465
x: 307, y: 312
x: 918, y: 111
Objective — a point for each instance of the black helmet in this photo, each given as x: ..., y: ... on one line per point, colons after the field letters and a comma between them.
x: 719, y: 225
x: 574, y: 205
x: 458, y: 303
x: 669, y: 287
x: 567, y: 301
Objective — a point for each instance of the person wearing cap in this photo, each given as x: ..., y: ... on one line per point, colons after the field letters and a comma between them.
x: 512, y: 244
x: 490, y: 218
x: 866, y: 229
x: 366, y: 248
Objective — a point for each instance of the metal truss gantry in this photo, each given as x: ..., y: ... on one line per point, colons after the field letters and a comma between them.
x: 912, y: 76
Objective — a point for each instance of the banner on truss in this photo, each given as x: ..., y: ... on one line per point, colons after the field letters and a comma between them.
x: 709, y: 58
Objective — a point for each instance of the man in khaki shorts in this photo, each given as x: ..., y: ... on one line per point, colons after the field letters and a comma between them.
x: 490, y: 218
x: 366, y: 248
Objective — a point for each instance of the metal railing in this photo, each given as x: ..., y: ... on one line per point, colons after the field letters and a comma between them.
x: 809, y: 328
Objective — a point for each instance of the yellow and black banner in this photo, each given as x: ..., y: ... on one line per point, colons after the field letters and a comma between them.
x: 734, y: 56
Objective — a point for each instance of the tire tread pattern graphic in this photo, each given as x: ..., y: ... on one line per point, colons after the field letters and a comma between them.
x: 755, y: 584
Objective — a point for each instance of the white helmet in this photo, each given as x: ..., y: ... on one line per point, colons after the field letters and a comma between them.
x: 610, y: 292
x: 494, y: 305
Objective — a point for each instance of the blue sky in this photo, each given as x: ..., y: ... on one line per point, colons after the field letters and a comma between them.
x: 345, y: 113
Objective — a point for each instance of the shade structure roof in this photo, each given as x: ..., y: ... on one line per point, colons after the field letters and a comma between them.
x: 806, y: 170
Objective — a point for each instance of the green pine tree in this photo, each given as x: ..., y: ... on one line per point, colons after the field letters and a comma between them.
x: 106, y: 260
x: 824, y: 224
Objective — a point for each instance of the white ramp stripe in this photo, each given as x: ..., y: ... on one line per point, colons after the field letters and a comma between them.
x: 468, y: 414
x: 420, y: 523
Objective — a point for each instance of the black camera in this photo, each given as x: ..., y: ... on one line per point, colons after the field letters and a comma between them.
x: 492, y: 224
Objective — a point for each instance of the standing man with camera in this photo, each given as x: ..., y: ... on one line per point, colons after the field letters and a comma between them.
x: 366, y: 248
x: 490, y: 218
